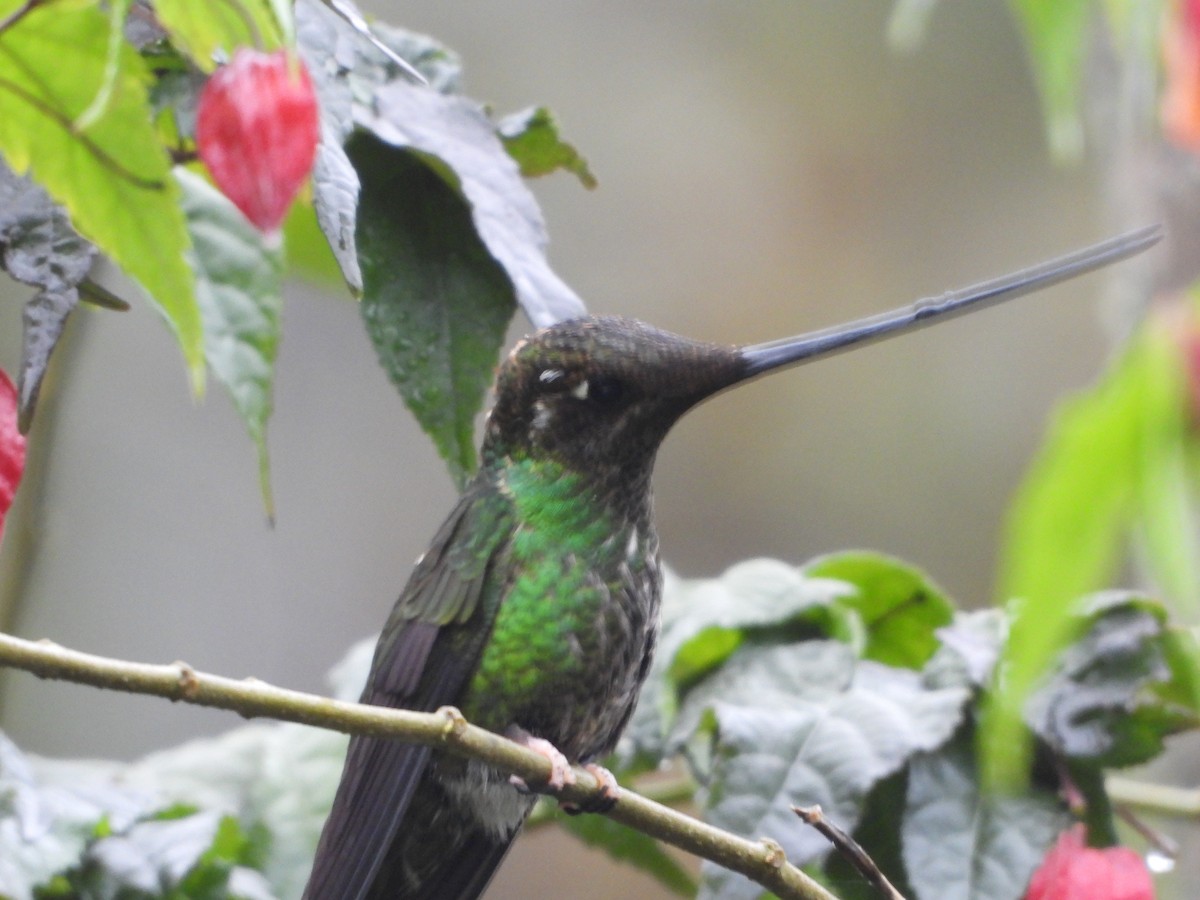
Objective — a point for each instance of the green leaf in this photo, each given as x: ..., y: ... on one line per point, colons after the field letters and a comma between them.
x: 632, y: 848
x: 210, y: 32
x: 38, y: 246
x: 1056, y: 33
x: 531, y: 138
x: 239, y: 274
x: 117, y: 10
x: 1165, y: 495
x: 959, y: 842
x: 898, y: 604
x: 435, y: 303
x: 1063, y: 538
x: 114, y: 177
x: 801, y: 724
x: 308, y: 252
x: 1106, y: 702
x: 461, y: 144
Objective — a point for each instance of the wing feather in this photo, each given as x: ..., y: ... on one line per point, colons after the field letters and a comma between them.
x: 428, y: 650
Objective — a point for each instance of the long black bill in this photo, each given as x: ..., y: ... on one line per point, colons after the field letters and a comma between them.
x: 760, y: 358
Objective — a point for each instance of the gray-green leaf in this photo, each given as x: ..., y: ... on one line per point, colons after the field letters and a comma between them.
x: 38, y: 246
x: 472, y: 159
x: 704, y: 621
x: 435, y: 302
x: 958, y: 844
x: 239, y: 276
x: 347, y: 69
x: 1102, y: 703
x: 806, y: 723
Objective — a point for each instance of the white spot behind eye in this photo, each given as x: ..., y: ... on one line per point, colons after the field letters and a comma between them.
x: 541, y: 416
x: 580, y: 391
x: 549, y: 376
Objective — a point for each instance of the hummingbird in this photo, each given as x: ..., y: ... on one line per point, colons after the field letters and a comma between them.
x: 535, y: 608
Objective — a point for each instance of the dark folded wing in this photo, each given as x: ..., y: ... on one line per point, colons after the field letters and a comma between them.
x: 429, y: 648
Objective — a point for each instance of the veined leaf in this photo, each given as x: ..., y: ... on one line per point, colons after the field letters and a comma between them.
x: 239, y: 275
x: 435, y: 303
x: 1118, y: 690
x: 347, y: 69
x: 114, y: 176
x: 706, y: 620
x: 806, y: 723
x: 469, y: 156
x: 900, y: 607
x: 958, y: 841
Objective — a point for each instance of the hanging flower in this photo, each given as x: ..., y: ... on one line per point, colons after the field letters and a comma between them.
x: 257, y: 131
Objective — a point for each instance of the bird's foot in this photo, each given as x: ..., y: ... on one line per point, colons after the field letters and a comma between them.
x: 604, y: 798
x: 560, y: 769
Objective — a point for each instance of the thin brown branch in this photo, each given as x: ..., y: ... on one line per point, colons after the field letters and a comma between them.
x: 850, y: 849
x: 673, y: 790
x: 763, y: 861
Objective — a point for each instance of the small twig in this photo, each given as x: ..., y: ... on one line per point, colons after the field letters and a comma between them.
x: 762, y: 861
x: 1163, y: 844
x: 850, y: 849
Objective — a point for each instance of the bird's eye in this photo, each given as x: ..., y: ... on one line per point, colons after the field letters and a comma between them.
x: 605, y: 389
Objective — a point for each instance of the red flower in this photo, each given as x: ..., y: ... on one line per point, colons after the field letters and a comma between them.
x: 12, y: 447
x: 1180, y: 109
x: 1074, y: 871
x: 257, y: 130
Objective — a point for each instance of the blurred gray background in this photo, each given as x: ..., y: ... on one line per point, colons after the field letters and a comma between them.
x: 765, y: 168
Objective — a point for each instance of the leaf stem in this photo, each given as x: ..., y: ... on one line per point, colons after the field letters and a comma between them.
x: 1159, y: 798
x: 762, y: 861
x: 247, y: 18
